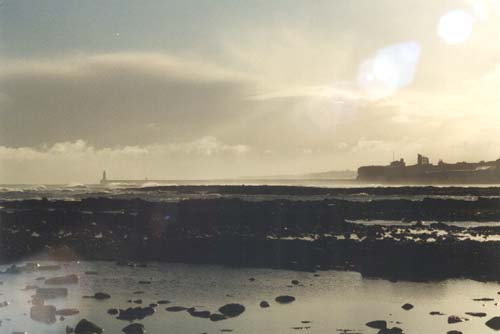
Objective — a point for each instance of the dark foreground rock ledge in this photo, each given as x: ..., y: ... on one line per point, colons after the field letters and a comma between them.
x: 301, y: 235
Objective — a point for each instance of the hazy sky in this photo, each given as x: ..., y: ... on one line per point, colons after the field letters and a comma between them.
x: 203, y: 89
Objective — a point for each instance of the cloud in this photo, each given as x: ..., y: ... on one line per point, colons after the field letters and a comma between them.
x: 335, y: 91
x: 205, y: 146
x: 73, y: 161
x: 111, y: 99
x: 162, y: 65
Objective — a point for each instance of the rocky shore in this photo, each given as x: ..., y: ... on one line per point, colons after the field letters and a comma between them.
x: 302, y: 235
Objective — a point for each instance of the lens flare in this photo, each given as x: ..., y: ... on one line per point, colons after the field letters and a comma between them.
x: 455, y: 27
x: 391, y: 68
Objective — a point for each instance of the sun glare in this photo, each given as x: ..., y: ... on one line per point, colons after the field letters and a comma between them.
x: 455, y: 27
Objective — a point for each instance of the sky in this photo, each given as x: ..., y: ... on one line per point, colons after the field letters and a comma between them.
x: 198, y: 89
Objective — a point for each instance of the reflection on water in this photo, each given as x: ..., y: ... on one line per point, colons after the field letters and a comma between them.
x: 333, y: 300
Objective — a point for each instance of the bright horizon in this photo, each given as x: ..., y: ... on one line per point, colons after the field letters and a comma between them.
x: 204, y: 90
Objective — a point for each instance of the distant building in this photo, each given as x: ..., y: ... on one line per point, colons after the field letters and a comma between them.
x: 398, y: 163
x: 421, y: 160
x: 423, y: 172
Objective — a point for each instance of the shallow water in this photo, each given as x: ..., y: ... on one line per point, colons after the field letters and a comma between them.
x: 463, y: 224
x: 334, y: 300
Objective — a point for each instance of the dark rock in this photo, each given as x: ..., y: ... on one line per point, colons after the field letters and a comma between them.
x: 198, y: 314
x: 87, y: 327
x: 101, y: 296
x: 67, y: 312
x: 453, y: 332
x: 494, y: 323
x: 377, y: 324
x: 295, y: 282
x: 284, y: 299
x: 113, y: 311
x: 264, y: 304
x: 134, y: 329
x: 436, y: 313
x: 407, y: 307
x: 217, y: 317
x: 393, y: 330
x: 232, y: 310
x: 43, y: 313
x: 138, y: 301
x: 176, y: 308
x: 476, y: 314
x: 452, y: 319
x: 135, y: 313
x: 162, y: 302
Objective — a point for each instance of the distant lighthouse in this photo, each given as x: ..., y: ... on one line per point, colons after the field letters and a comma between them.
x: 103, y: 180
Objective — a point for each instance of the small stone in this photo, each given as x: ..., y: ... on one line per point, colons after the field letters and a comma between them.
x: 87, y: 327
x: 476, y: 314
x: 494, y: 323
x: 377, y: 324
x: 162, y: 302
x: 393, y: 330
x: 436, y: 313
x: 284, y: 299
x: 176, y: 309
x: 67, y: 312
x: 264, y: 304
x: 483, y: 299
x: 101, y: 296
x: 113, y: 311
x: 134, y: 329
x: 453, y: 319
x: 407, y: 307
x: 232, y: 310
x: 217, y: 317
x: 198, y: 314
x: 135, y: 313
